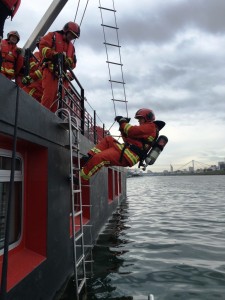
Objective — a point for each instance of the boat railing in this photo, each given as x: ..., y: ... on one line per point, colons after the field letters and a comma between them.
x: 71, y: 97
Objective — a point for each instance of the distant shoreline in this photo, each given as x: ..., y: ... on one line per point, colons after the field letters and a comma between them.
x: 222, y: 172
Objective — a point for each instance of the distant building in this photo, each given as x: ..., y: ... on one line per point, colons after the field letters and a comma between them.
x: 221, y: 165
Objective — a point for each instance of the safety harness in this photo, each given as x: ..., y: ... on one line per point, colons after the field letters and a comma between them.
x: 142, y: 153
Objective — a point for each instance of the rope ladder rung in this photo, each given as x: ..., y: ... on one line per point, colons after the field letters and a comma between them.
x: 118, y: 100
x: 113, y: 45
x: 114, y: 63
x: 115, y: 81
x: 109, y: 9
x: 109, y: 26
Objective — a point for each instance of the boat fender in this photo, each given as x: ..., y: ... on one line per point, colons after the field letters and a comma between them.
x: 156, y: 150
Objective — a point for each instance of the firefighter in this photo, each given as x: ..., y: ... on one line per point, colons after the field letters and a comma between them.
x: 137, y: 142
x: 32, y: 80
x: 51, y: 45
x: 7, y: 8
x: 12, y: 59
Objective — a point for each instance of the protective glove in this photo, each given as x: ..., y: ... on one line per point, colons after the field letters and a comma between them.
x: 121, y: 119
x: 67, y: 62
x: 55, y: 58
x: 118, y: 118
x: 18, y: 50
x: 26, y: 80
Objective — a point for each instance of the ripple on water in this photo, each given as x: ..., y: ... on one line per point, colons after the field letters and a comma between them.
x: 170, y: 243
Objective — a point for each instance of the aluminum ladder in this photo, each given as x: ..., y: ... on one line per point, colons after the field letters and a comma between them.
x: 70, y: 123
x: 113, y: 54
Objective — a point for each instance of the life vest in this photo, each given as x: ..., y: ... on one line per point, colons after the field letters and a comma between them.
x: 12, y: 5
x: 9, y: 59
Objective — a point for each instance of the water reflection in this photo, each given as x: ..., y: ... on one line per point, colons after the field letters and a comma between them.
x: 108, y: 255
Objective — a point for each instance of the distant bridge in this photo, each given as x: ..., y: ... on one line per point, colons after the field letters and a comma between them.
x: 194, y: 164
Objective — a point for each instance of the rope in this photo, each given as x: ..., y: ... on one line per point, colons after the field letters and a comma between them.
x: 76, y: 11
x: 83, y: 12
x: 8, y: 211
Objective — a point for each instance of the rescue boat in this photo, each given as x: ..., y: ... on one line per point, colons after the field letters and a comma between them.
x: 49, y: 223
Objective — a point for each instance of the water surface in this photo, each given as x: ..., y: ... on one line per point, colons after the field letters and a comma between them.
x: 166, y: 239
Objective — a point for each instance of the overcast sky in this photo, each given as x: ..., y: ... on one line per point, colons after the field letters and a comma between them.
x: 173, y: 55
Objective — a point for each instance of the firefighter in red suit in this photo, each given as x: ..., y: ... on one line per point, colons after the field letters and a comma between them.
x: 137, y: 142
x: 7, y: 8
x: 33, y: 81
x: 50, y: 46
x: 12, y: 59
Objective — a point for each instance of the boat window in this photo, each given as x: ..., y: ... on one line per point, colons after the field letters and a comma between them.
x: 16, y: 205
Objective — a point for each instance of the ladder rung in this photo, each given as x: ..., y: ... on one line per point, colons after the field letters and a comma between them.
x: 110, y: 62
x: 107, y: 8
x: 66, y: 125
x: 116, y: 81
x: 88, y: 246
x: 76, y: 191
x: 75, y: 153
x: 89, y: 261
x: 78, y: 213
x: 119, y: 100
x: 81, y: 285
x: 79, y: 261
x: 113, y: 27
x: 76, y: 169
x: 79, y: 236
x: 114, y: 45
x: 74, y: 147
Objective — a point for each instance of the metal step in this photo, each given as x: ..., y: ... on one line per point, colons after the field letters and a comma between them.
x: 82, y: 283
x: 79, y: 261
x: 74, y: 147
x: 78, y: 237
x: 78, y: 213
x: 66, y: 125
x: 76, y: 191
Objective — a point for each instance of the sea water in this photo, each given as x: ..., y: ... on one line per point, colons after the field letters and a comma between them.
x: 166, y: 240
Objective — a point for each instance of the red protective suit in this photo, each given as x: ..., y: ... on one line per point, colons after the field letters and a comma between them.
x: 34, y: 89
x: 12, y: 59
x: 7, y: 8
x: 108, y: 151
x: 12, y: 5
x: 50, y: 45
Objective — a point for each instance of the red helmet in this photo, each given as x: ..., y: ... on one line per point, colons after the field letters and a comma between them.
x: 74, y: 28
x: 15, y: 33
x: 145, y: 113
